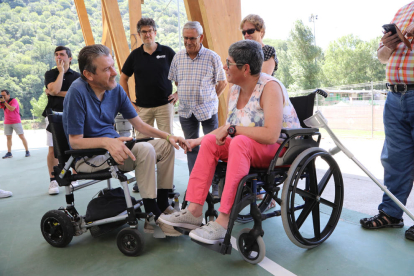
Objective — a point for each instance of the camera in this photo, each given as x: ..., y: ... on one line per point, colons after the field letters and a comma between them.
x: 1, y: 96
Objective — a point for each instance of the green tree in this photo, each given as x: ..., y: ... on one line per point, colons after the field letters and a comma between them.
x: 38, y: 105
x: 303, y: 55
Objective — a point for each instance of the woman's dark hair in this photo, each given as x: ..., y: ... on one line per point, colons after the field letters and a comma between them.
x: 247, y: 52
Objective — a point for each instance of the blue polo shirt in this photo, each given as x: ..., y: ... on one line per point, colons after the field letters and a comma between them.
x: 85, y: 114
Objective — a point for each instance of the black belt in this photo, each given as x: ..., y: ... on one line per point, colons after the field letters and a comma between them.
x: 400, y: 87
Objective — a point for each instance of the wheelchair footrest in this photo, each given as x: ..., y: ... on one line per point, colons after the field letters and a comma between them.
x: 184, y: 231
x: 218, y: 247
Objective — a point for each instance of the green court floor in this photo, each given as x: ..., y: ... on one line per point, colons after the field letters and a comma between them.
x: 350, y: 250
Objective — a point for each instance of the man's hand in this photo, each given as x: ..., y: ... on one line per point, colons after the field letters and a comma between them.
x: 193, y: 143
x: 390, y: 41
x: 47, y: 92
x: 174, y: 140
x: 119, y: 151
x: 173, y: 98
x: 222, y: 135
x: 60, y: 65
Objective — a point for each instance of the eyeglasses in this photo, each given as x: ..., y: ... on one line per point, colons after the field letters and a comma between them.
x: 192, y: 39
x: 146, y: 32
x: 228, y: 63
x: 249, y: 31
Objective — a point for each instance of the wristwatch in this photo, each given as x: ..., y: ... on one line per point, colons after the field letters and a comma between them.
x: 231, y: 130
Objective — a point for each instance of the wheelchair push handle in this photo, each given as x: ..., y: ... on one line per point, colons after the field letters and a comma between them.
x: 321, y: 92
x: 130, y: 144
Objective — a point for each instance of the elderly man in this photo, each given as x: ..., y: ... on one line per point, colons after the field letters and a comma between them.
x: 200, y: 79
x: 397, y: 155
x: 12, y: 121
x: 94, y: 100
x: 57, y: 82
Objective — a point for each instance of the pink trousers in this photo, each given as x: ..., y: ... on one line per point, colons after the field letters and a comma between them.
x: 240, y: 153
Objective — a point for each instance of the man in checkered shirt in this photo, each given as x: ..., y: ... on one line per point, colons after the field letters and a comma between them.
x: 397, y: 155
x: 200, y: 79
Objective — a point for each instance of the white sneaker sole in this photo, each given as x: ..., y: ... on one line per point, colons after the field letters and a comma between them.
x: 177, y: 224
x: 203, y: 240
x: 53, y: 192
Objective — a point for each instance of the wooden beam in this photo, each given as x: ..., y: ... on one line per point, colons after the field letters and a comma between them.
x: 84, y: 22
x: 135, y: 15
x: 106, y: 36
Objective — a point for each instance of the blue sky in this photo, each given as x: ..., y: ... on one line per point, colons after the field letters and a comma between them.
x: 363, y: 18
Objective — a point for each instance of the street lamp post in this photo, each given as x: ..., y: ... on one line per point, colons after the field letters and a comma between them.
x: 313, y: 18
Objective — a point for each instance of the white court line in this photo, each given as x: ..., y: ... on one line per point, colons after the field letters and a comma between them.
x: 269, y: 265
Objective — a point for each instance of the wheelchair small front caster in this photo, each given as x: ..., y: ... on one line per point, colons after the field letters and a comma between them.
x: 252, y: 250
x: 130, y: 241
x: 57, y: 228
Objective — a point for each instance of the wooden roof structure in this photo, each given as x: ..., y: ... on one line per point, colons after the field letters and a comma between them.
x: 220, y: 20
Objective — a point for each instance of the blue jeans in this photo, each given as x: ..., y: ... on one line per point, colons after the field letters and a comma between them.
x: 397, y: 155
x: 191, y: 129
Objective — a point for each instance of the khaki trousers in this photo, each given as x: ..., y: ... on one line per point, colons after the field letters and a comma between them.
x: 147, y: 154
x: 163, y: 114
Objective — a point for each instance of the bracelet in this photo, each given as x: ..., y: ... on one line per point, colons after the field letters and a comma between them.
x: 168, y: 138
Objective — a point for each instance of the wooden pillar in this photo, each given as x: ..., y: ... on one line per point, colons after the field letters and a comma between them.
x: 220, y: 20
x: 84, y: 22
x: 106, y: 36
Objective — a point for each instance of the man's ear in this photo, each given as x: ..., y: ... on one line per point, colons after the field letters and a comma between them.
x: 88, y: 75
x: 201, y: 38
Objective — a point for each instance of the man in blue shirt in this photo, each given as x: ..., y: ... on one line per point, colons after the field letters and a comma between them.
x: 90, y: 107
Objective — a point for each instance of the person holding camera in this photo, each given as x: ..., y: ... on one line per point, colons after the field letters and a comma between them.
x: 12, y: 121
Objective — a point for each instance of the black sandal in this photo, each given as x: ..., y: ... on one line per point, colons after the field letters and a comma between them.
x: 409, y: 234
x: 382, y: 220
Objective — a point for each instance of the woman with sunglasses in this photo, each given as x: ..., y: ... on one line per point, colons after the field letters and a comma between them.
x: 259, y: 107
x: 253, y: 28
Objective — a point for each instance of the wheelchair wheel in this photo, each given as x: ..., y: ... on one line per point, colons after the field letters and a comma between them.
x: 130, y: 241
x: 252, y: 250
x: 57, y: 228
x: 312, y: 198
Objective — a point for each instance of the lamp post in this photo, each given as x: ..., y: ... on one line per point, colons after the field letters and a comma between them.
x: 313, y: 18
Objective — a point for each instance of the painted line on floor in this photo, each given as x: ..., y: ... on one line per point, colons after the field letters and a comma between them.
x: 269, y: 265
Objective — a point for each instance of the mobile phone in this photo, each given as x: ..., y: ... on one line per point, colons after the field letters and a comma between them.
x: 390, y: 28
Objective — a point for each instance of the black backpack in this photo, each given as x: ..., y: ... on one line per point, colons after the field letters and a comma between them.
x: 109, y: 203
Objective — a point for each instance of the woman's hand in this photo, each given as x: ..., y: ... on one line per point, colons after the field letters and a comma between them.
x: 222, y: 135
x: 192, y: 143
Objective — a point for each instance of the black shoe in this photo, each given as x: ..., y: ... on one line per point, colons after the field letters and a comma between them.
x: 409, y: 234
x: 382, y: 220
x: 135, y: 188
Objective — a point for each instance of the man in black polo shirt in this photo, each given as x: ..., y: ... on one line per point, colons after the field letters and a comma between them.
x: 150, y: 65
x: 57, y: 81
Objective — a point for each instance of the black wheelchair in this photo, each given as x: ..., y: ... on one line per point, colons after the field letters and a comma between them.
x: 59, y: 226
x: 310, y: 197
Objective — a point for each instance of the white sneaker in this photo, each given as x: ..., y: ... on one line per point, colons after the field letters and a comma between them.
x: 75, y: 183
x: 4, y: 194
x: 211, y: 233
x: 53, y: 188
x: 182, y: 219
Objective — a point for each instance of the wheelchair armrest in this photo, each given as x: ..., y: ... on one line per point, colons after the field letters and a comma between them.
x: 293, y: 131
x: 86, y: 152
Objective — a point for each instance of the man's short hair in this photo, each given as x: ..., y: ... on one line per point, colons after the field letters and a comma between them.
x: 145, y: 21
x: 194, y: 25
x: 7, y: 92
x: 61, y: 48
x: 88, y: 54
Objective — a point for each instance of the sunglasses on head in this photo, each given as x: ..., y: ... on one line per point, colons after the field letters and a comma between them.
x: 249, y: 31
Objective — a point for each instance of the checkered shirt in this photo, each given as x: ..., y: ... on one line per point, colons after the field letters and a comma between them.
x: 400, y: 66
x: 197, y: 79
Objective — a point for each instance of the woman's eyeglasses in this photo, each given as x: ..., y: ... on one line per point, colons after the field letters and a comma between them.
x: 249, y: 31
x: 228, y: 63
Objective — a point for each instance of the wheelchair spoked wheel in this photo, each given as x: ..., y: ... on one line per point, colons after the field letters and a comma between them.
x: 57, y: 228
x: 130, y: 241
x: 252, y: 250
x: 312, y: 198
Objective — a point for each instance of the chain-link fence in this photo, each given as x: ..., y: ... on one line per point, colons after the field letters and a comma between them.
x: 353, y: 110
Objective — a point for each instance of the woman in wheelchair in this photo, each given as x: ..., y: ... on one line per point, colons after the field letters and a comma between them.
x: 259, y: 107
